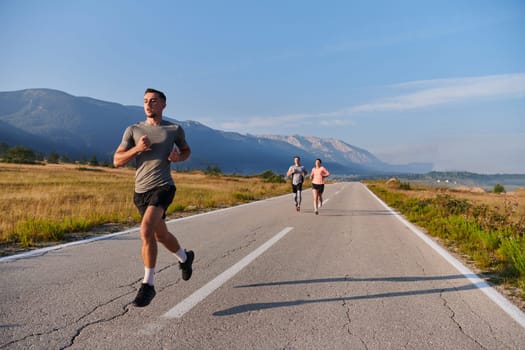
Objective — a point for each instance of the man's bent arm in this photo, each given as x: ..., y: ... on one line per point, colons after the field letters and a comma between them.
x: 180, y: 154
x: 123, y: 156
x: 185, y: 153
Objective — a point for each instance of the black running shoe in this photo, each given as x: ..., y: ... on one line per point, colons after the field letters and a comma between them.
x: 145, y: 295
x: 186, y: 266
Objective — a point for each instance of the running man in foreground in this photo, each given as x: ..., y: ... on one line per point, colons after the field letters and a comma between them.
x: 297, y: 172
x: 151, y: 143
x: 318, y: 175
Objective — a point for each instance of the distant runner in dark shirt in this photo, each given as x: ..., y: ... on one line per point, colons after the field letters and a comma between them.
x: 297, y: 172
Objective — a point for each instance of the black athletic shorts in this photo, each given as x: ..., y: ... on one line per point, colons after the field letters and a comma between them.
x: 319, y: 188
x: 298, y: 187
x: 158, y: 197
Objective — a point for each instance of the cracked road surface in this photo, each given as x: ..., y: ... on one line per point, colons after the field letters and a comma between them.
x: 352, y: 277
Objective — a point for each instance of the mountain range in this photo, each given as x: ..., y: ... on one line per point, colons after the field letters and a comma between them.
x: 47, y: 120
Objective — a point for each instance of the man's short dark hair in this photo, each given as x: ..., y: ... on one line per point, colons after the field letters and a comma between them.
x: 160, y: 93
x: 297, y: 157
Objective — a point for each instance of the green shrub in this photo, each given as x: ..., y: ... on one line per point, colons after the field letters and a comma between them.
x: 405, y: 186
x: 212, y: 170
x: 513, y: 251
x: 270, y: 176
x: 32, y: 231
x: 243, y: 196
x: 498, y: 188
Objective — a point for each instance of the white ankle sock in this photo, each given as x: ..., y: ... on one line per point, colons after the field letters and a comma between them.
x: 181, y: 255
x: 148, y: 275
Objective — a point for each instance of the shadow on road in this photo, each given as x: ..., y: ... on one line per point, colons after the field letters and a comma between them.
x: 360, y: 279
x: 263, y: 306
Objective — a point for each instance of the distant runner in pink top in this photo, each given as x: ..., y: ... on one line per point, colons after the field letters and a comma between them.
x: 317, y: 175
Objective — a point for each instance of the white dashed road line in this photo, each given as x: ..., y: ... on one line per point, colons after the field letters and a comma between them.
x: 187, y: 304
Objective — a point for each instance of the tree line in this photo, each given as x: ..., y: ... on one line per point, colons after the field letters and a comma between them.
x: 26, y: 155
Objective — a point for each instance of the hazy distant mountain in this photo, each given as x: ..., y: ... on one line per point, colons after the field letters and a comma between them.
x: 49, y: 120
x: 337, y: 151
x: 76, y: 126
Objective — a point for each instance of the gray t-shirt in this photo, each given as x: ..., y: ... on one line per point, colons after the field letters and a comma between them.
x: 153, y: 166
x: 298, y: 174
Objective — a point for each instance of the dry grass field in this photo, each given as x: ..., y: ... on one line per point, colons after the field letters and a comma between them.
x: 57, y: 202
x: 511, y: 203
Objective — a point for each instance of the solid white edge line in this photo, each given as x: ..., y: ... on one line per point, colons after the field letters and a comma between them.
x: 42, y: 251
x: 511, y: 309
x: 187, y: 304
x: 60, y: 246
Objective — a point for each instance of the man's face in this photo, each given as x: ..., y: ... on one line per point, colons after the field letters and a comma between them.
x: 153, y: 105
x: 296, y: 160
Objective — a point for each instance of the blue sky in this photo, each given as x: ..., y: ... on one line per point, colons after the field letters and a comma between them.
x: 410, y: 81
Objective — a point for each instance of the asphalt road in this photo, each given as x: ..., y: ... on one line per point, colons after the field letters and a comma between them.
x: 265, y: 277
